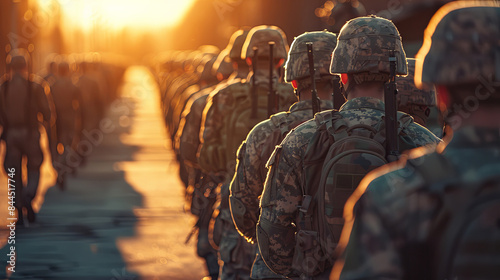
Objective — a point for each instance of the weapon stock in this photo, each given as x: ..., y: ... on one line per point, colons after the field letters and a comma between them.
x: 254, y: 87
x: 271, y: 100
x: 392, y: 144
x: 315, y: 101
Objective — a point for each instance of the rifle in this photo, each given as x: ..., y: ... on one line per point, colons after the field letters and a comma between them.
x: 315, y: 100
x: 390, y: 91
x: 254, y: 87
x: 271, y: 98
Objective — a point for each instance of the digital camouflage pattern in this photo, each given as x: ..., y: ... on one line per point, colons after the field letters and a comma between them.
x: 287, y: 177
x: 414, y: 101
x: 226, y: 122
x: 218, y: 149
x: 248, y: 182
x: 395, y: 208
x: 465, y: 45
x: 399, y: 212
x: 237, y: 41
x: 260, y: 36
x: 297, y: 64
x: 363, y: 46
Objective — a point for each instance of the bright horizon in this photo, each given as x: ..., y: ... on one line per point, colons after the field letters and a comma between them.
x: 118, y: 14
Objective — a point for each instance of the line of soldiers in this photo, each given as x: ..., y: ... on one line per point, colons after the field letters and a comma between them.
x: 65, y: 106
x: 278, y: 164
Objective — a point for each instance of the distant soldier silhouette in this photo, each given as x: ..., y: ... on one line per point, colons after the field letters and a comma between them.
x: 67, y: 99
x: 23, y: 105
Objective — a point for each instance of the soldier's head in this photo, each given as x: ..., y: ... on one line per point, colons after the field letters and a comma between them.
x: 222, y: 67
x: 362, y: 54
x: 414, y: 101
x: 207, y: 77
x: 257, y: 43
x: 63, y: 69
x: 17, y: 60
x: 297, y: 71
x: 461, y: 57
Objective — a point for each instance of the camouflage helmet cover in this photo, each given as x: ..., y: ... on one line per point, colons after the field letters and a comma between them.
x: 409, y: 94
x: 297, y: 65
x: 222, y: 64
x: 18, y: 58
x: 461, y: 43
x: 236, y: 44
x: 260, y: 36
x: 364, y: 45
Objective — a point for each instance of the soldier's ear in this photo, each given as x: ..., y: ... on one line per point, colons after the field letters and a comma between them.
x: 295, y: 84
x: 443, y: 97
x: 280, y: 62
x: 344, y: 78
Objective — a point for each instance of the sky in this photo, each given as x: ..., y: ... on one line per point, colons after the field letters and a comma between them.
x: 116, y: 14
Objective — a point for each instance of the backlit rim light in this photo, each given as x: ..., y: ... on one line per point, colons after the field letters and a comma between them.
x: 429, y: 31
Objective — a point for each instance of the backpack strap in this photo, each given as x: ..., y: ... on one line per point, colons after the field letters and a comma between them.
x: 280, y: 121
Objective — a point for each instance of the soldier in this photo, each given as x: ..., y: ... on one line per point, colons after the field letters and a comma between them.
x: 435, y: 215
x: 229, y: 115
x: 248, y: 182
x: 22, y: 98
x: 319, y: 162
x: 92, y: 104
x: 201, y: 187
x: 416, y: 102
x: 67, y: 100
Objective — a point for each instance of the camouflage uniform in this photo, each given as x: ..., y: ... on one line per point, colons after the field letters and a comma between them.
x: 21, y: 132
x: 201, y: 186
x: 217, y: 159
x: 248, y: 182
x: 396, y: 212
x: 293, y: 170
x: 414, y: 101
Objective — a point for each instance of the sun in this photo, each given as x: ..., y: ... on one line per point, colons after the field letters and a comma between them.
x: 117, y: 14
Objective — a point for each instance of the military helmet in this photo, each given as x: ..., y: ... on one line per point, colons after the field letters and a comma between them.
x: 414, y: 101
x: 461, y: 43
x: 364, y: 46
x: 17, y: 59
x: 222, y: 67
x: 408, y: 93
x: 236, y: 42
x: 259, y: 37
x: 297, y: 65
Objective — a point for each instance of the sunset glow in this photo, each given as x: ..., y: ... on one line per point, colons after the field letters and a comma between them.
x: 123, y: 13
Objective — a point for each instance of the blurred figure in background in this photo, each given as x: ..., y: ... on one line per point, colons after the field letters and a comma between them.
x: 67, y: 100
x: 22, y: 99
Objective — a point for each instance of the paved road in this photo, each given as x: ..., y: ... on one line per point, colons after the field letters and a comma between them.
x: 121, y: 217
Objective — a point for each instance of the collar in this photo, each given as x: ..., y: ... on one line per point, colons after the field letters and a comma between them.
x: 307, y: 105
x: 363, y: 102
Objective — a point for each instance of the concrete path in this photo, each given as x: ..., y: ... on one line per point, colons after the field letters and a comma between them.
x: 121, y: 217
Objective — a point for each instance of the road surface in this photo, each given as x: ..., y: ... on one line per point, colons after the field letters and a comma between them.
x: 121, y: 216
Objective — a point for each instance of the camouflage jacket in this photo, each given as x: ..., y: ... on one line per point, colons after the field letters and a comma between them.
x: 214, y: 156
x: 375, y: 239
x: 285, y: 183
x: 248, y: 182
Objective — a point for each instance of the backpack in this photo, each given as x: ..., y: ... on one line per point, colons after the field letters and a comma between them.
x: 464, y: 238
x: 345, y: 154
x: 238, y: 121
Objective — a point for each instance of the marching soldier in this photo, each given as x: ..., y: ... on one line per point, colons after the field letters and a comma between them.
x: 435, y: 215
